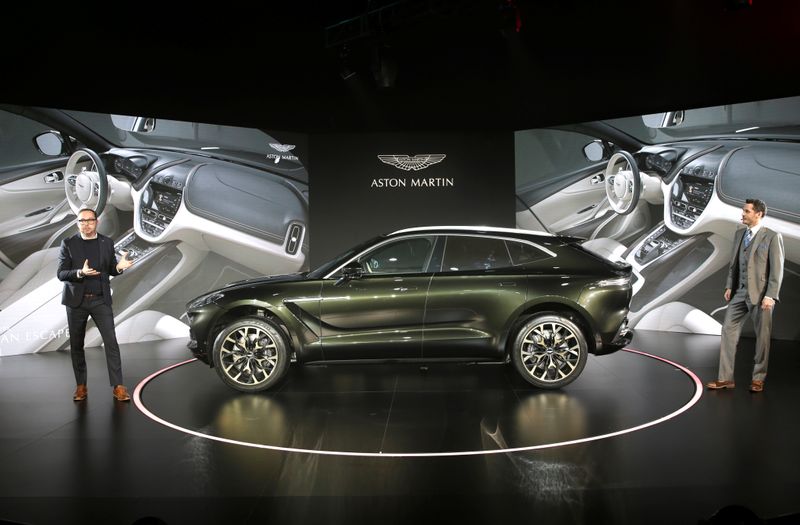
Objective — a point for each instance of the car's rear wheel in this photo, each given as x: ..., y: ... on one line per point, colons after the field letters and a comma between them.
x: 550, y: 351
x: 251, y: 355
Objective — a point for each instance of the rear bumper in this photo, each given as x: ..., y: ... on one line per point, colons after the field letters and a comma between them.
x: 623, y: 338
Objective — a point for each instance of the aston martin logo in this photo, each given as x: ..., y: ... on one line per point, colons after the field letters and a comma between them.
x: 415, y: 163
x: 281, y: 148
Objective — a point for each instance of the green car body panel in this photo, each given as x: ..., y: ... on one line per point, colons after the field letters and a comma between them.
x: 437, y: 306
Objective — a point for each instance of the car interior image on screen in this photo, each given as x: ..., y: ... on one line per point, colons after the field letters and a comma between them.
x: 664, y: 193
x: 194, y: 205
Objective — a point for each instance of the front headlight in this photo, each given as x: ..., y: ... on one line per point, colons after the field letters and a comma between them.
x: 204, y: 300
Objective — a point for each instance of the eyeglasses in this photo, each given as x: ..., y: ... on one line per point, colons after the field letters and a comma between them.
x: 84, y: 221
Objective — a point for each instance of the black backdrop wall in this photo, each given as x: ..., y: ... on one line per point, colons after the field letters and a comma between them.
x: 356, y: 196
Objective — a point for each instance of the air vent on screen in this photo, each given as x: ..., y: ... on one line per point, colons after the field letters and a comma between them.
x: 294, y: 238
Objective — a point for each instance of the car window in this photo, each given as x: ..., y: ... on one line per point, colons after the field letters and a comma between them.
x: 542, y: 155
x: 464, y: 253
x: 410, y: 255
x: 717, y: 120
x: 17, y: 147
x: 524, y: 253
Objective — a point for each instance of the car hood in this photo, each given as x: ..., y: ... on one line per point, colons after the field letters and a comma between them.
x: 269, y: 279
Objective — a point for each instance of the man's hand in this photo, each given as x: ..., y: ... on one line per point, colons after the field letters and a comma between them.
x: 124, y: 263
x: 767, y: 303
x: 86, y: 271
x: 727, y: 294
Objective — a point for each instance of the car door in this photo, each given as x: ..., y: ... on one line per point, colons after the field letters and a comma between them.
x: 33, y: 204
x: 472, y: 299
x: 557, y: 187
x: 379, y: 314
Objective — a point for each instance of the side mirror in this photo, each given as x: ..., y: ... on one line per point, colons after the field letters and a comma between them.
x: 670, y: 119
x: 50, y: 143
x: 350, y: 272
x: 597, y: 150
x: 137, y: 124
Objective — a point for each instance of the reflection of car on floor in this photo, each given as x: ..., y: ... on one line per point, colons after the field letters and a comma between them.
x: 444, y: 293
x: 664, y: 193
x: 195, y: 205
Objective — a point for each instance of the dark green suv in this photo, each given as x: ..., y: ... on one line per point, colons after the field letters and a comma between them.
x: 495, y: 294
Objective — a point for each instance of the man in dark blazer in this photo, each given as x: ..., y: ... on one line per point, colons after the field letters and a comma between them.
x: 86, y: 262
x: 754, y: 278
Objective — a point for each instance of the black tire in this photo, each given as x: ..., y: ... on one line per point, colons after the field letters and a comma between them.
x: 251, y: 355
x: 550, y: 351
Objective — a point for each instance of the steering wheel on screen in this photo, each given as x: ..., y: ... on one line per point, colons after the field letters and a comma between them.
x: 86, y: 182
x: 623, y: 183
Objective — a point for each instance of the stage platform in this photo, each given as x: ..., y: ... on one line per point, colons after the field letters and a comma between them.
x: 634, y: 440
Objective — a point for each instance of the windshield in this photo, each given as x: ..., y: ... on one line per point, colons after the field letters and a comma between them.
x: 178, y: 134
x: 749, y: 118
x: 226, y: 142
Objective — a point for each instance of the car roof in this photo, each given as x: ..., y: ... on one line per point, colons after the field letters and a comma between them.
x: 511, y: 232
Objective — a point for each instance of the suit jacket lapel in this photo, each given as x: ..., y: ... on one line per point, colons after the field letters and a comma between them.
x: 757, y: 238
x: 101, y: 244
x: 78, y: 255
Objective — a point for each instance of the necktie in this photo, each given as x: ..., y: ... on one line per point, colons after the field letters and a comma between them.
x: 748, y: 236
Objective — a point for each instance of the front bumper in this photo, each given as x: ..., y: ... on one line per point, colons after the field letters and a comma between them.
x: 201, y: 321
x: 198, y: 351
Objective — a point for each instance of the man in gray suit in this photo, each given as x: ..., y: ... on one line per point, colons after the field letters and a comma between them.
x: 754, y: 279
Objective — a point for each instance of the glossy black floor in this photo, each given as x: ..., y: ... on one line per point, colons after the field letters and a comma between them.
x: 107, y: 462
x: 405, y: 409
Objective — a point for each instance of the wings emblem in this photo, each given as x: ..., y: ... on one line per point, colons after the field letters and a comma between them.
x: 283, y: 148
x: 415, y: 163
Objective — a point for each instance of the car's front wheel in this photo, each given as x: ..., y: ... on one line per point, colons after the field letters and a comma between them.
x: 251, y: 355
x: 550, y: 351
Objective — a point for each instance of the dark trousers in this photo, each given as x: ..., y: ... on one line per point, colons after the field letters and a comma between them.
x: 103, y: 318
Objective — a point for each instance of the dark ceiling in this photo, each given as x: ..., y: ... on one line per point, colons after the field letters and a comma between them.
x: 416, y: 65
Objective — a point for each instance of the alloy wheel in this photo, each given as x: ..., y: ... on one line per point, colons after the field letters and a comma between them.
x: 248, y: 355
x: 550, y: 352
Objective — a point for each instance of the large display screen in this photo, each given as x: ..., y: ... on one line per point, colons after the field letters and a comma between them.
x: 203, y: 205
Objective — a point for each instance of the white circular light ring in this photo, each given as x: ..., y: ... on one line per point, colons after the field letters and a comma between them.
x: 137, y: 399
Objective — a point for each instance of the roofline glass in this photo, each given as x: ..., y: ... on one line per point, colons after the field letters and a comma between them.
x: 764, y: 117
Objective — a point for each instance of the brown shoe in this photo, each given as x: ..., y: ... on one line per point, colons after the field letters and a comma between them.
x: 80, y: 393
x: 717, y: 385
x: 121, y: 393
x: 757, y: 386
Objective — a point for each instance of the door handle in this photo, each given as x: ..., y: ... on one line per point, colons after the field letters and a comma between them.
x: 593, y: 206
x: 39, y: 211
x: 508, y: 283
x: 54, y: 177
x: 597, y: 179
